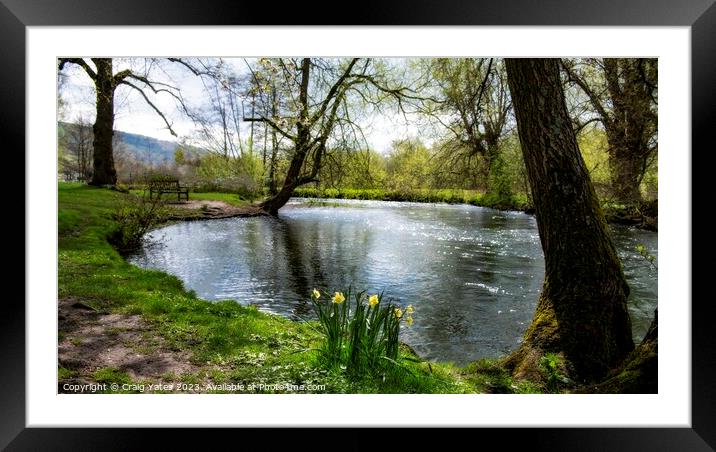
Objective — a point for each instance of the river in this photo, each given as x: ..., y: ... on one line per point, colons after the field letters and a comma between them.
x: 473, y: 274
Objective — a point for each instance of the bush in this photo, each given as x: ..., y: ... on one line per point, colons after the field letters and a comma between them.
x: 134, y: 217
x: 360, y: 332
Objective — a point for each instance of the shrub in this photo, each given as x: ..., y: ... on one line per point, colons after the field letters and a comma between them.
x: 134, y: 216
x: 360, y: 332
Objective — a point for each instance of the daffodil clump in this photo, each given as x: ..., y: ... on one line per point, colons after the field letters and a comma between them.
x: 361, y: 331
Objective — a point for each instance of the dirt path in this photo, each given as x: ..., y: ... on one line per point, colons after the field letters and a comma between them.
x: 91, y: 340
x: 197, y: 209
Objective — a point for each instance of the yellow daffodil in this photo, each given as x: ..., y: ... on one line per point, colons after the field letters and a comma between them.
x: 409, y: 310
x: 316, y: 294
x: 409, y: 321
x: 338, y: 298
x: 372, y: 300
x: 398, y: 313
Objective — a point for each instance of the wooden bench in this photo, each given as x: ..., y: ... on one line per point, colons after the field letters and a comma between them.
x: 160, y: 185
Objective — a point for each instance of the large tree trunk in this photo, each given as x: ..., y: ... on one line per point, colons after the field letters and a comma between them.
x: 628, y: 119
x: 103, y: 160
x: 626, y: 170
x: 275, y: 202
x: 582, y: 311
x: 628, y: 128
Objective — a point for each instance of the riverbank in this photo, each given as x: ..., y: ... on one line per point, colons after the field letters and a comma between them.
x: 644, y: 216
x: 122, y: 325
x: 448, y: 196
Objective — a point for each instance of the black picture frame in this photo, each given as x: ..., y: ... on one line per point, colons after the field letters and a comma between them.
x: 700, y: 15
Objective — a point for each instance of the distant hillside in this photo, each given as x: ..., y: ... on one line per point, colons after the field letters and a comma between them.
x: 141, y: 148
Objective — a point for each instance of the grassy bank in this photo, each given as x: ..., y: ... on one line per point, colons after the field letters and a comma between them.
x: 450, y: 196
x: 224, y: 342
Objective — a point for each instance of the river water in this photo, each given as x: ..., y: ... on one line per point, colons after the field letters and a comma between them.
x: 473, y: 274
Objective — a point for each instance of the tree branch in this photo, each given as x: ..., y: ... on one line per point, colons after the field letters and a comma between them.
x: 593, y: 98
x: 198, y: 72
x: 272, y: 124
x: 332, y: 91
x: 79, y: 62
x: 151, y: 104
x: 482, y: 87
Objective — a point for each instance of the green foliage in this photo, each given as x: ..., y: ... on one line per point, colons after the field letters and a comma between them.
x: 408, y: 166
x: 179, y: 156
x: 593, y: 144
x: 500, y: 183
x: 355, y: 169
x: 641, y: 249
x: 513, y: 170
x: 242, y: 175
x: 549, y: 366
x: 450, y: 196
x: 134, y: 216
x: 412, y: 172
x: 360, y: 332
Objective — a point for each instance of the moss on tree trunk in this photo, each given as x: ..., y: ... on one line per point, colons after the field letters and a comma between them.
x: 639, y: 372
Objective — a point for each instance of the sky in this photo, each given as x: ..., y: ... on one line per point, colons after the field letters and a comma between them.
x: 134, y: 115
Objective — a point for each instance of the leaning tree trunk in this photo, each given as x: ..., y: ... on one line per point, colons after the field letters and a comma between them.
x: 582, y: 311
x: 103, y: 159
x: 275, y: 202
x: 303, y: 136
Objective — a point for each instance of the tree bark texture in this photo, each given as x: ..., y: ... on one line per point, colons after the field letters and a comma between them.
x: 639, y: 374
x: 104, y: 172
x: 582, y: 310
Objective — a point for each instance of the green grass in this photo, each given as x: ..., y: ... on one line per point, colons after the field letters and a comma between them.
x: 111, y: 375
x: 229, y: 198
x: 229, y: 343
x: 64, y: 374
x: 450, y: 196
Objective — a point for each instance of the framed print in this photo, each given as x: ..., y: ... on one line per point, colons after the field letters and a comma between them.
x: 40, y: 36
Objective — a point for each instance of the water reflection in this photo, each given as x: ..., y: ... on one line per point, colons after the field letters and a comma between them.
x: 473, y: 274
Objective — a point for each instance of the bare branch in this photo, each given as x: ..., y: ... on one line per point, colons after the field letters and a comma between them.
x: 482, y: 86
x: 593, y: 98
x: 272, y: 124
x: 151, y: 104
x: 79, y: 62
x: 193, y: 69
x: 333, y: 90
